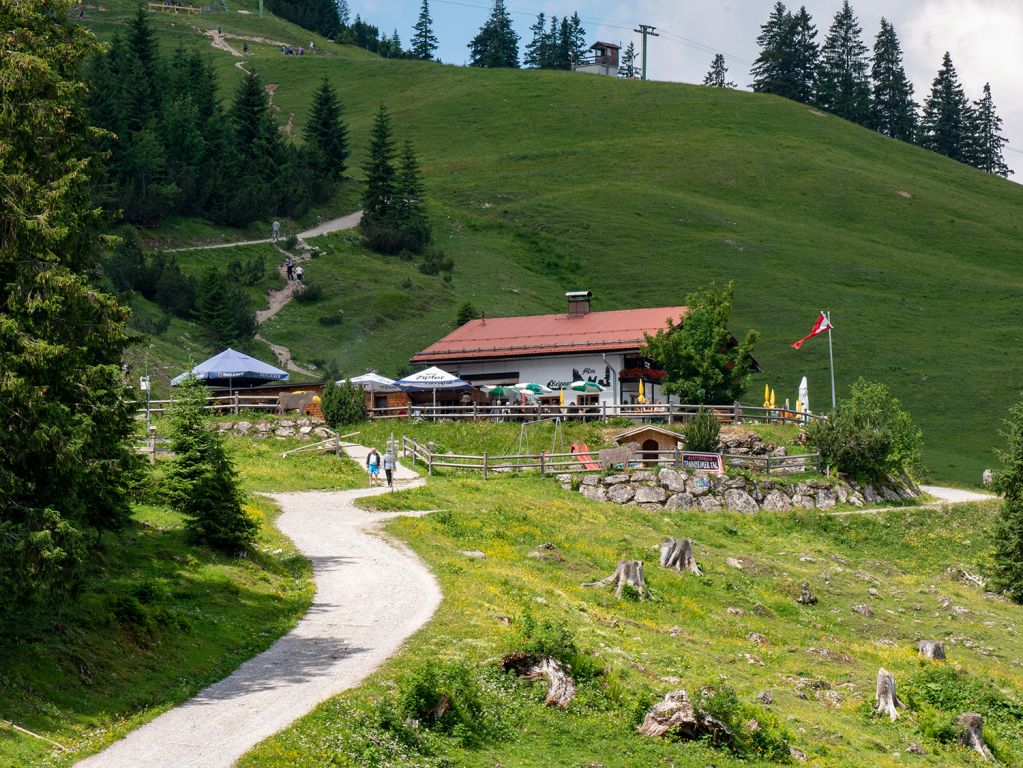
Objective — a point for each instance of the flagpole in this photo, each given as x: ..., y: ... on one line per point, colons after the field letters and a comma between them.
x: 831, y: 358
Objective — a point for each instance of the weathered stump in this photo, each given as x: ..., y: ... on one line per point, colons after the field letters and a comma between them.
x: 677, y: 716
x: 972, y: 734
x: 628, y: 572
x: 678, y: 554
x: 931, y: 649
x: 529, y: 666
x: 806, y: 596
x: 887, y: 700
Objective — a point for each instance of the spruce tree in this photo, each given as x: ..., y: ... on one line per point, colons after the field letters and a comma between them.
x: 986, y: 147
x: 496, y: 44
x: 411, y: 214
x: 774, y: 68
x: 379, y: 196
x: 717, y: 77
x: 65, y: 435
x: 805, y: 56
x: 344, y: 13
x: 842, y: 86
x: 424, y: 42
x: 201, y: 483
x: 256, y: 136
x: 143, y: 48
x: 1009, y: 484
x: 326, y: 134
x: 892, y: 109
x: 946, y: 124
x: 536, y: 53
x: 628, y: 68
x: 576, y: 40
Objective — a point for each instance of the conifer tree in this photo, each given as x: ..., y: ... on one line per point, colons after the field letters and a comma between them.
x: 201, y: 482
x: 892, y: 109
x: 576, y: 40
x: 424, y: 42
x: 411, y: 216
x: 344, y: 13
x: 142, y: 47
x: 842, y: 86
x: 774, y: 69
x: 628, y: 68
x: 717, y: 77
x: 805, y: 56
x: 256, y: 136
x: 986, y: 147
x: 379, y: 196
x: 65, y: 454
x: 496, y: 44
x: 563, y: 46
x: 1009, y: 484
x: 946, y: 124
x: 536, y: 55
x: 326, y: 134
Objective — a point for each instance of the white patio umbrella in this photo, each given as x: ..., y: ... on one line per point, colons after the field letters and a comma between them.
x: 804, y: 395
x: 372, y: 382
x: 432, y: 379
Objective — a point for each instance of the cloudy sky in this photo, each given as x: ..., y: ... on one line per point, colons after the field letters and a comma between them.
x: 985, y: 37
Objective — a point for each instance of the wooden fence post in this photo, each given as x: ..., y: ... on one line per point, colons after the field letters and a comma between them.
x: 484, y: 465
x: 152, y: 445
x: 768, y: 466
x: 671, y: 415
x: 736, y: 413
x: 543, y: 471
x: 429, y: 458
x: 415, y: 451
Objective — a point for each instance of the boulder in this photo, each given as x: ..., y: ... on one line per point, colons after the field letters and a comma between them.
x: 305, y: 430
x: 672, y: 480
x: 681, y: 501
x: 803, y: 502
x: 621, y: 494
x: 263, y: 426
x: 610, y: 479
x: 321, y: 432
x: 642, y: 476
x: 740, y: 501
x: 734, y: 483
x: 649, y: 494
x: 826, y: 498
x: 564, y: 479
x: 698, y: 484
x: 224, y: 426
x: 590, y: 480
x: 285, y: 423
x: 710, y: 503
x: 594, y: 492
x: 871, y: 495
x: 776, y: 501
x: 987, y: 477
x: 284, y: 432
x: 243, y: 426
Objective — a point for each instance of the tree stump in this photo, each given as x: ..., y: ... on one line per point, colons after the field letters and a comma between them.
x: 887, y: 700
x: 972, y: 734
x: 678, y: 554
x: 931, y: 649
x: 676, y: 715
x: 806, y: 597
x: 628, y: 572
x: 529, y: 666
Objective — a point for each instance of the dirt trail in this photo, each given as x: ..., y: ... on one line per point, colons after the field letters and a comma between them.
x: 371, y: 594
x: 217, y: 40
x: 942, y: 497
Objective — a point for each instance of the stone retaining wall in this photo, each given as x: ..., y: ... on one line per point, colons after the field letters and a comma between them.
x: 300, y: 429
x: 679, y: 490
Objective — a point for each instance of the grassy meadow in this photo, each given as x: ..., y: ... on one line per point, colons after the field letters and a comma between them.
x: 540, y: 182
x: 817, y: 662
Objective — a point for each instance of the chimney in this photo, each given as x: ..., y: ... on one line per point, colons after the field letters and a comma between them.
x: 578, y: 302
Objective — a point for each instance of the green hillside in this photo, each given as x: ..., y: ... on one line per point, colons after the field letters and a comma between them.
x: 642, y: 191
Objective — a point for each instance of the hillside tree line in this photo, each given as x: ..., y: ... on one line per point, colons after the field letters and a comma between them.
x: 843, y: 76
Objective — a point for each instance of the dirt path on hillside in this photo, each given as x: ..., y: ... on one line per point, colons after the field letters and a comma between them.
x: 349, y: 221
x: 277, y: 300
x: 942, y: 498
x: 371, y: 594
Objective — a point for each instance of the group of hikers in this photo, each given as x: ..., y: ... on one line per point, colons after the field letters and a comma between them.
x: 293, y: 270
x: 373, y: 463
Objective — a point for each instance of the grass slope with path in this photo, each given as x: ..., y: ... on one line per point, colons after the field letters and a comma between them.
x: 541, y: 182
x: 159, y: 618
x: 882, y: 586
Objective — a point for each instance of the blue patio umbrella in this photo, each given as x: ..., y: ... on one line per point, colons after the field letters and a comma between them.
x: 232, y: 369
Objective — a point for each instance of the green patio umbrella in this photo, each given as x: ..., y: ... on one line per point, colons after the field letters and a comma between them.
x: 501, y: 390
x: 536, y: 389
x: 586, y: 386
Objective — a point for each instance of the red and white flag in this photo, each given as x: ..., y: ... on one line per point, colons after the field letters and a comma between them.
x: 823, y: 325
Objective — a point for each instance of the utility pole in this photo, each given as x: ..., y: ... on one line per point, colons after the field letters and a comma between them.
x: 645, y: 29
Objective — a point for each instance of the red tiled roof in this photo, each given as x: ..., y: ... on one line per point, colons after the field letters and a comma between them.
x: 616, y: 330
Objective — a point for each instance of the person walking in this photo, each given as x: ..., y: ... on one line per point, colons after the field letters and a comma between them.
x: 298, y: 273
x: 390, y: 463
x: 289, y: 269
x: 275, y: 230
x: 373, y: 466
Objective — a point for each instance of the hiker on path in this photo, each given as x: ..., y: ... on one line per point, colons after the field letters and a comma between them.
x: 275, y: 231
x: 245, y: 48
x: 389, y: 464
x: 373, y: 466
x: 289, y: 269
x: 298, y: 274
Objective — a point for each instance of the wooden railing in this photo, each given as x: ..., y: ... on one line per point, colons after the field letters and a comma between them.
x: 670, y: 414
x: 220, y: 403
x: 571, y: 463
x: 175, y: 8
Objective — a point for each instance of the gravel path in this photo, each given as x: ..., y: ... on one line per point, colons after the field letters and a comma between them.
x: 942, y: 497
x: 371, y: 594
x: 334, y: 225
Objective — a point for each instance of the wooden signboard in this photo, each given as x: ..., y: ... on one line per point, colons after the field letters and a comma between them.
x: 703, y: 462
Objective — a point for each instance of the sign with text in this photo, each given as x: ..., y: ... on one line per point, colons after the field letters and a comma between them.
x: 703, y: 462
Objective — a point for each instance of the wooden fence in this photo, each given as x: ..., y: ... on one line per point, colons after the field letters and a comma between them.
x: 176, y: 8
x: 571, y: 463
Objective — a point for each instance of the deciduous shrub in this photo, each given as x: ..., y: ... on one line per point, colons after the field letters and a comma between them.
x: 442, y: 696
x: 702, y: 432
x: 767, y: 740
x: 868, y: 435
x: 1009, y: 483
x: 552, y: 637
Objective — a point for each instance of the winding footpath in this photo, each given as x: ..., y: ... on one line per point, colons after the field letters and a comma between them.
x: 334, y: 225
x: 371, y: 594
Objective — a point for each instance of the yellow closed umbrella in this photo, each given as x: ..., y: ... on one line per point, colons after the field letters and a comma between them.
x: 767, y: 396
x: 642, y: 392
x: 562, y: 397
x: 772, y: 399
